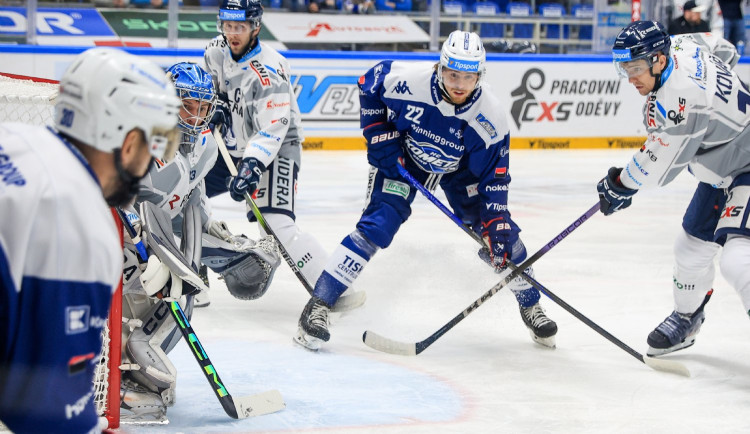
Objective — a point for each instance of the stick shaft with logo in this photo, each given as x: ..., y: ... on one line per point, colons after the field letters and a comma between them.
x: 236, y: 407
x: 345, y: 302
x: 657, y: 364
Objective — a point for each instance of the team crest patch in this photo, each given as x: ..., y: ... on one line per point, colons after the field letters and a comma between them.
x: 487, y: 125
x: 395, y: 187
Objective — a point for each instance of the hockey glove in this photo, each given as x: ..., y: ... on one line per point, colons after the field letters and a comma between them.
x: 613, y: 196
x: 499, y: 235
x: 248, y: 176
x: 384, y: 151
x: 222, y: 117
x: 218, y: 229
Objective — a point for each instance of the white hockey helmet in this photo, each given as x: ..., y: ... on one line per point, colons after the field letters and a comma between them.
x: 462, y: 51
x: 107, y: 92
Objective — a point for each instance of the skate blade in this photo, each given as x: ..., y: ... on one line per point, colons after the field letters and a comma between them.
x: 662, y: 351
x: 545, y: 342
x: 308, y: 342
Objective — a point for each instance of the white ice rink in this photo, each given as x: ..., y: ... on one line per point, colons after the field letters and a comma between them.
x: 485, y: 375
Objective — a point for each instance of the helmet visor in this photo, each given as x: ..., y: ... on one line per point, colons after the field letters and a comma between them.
x: 235, y: 27
x: 632, y: 68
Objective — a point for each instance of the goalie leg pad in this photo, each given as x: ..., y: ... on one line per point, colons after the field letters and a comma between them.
x: 144, y: 348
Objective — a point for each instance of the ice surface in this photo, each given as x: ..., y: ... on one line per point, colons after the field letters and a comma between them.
x: 485, y: 375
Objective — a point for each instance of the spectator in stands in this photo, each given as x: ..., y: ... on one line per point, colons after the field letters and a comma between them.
x: 734, y: 23
x: 316, y: 6
x: 690, y: 21
x: 359, y: 6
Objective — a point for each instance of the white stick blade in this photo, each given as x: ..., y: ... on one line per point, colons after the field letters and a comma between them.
x: 349, y: 302
x: 380, y: 343
x: 258, y: 405
x: 667, y: 366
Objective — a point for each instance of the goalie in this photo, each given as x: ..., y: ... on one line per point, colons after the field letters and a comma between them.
x: 171, y: 203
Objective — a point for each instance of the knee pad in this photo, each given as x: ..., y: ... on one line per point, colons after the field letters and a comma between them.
x: 306, y: 252
x: 735, y: 266
x: 150, y: 365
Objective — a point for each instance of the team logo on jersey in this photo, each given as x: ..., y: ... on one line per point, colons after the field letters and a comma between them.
x: 562, y: 99
x: 678, y: 115
x: 260, y: 70
x: 431, y: 158
x: 487, y: 125
x: 402, y: 88
x: 77, y: 319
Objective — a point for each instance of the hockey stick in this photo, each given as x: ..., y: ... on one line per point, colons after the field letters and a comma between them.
x: 240, y: 407
x: 345, y: 302
x: 657, y: 364
x: 384, y: 344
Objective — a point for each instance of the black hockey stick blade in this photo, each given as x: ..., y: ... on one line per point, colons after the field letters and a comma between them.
x: 381, y: 343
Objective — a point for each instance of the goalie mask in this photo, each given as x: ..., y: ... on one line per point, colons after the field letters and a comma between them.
x: 195, y: 88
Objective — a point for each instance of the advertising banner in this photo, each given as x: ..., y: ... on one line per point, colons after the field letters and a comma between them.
x: 550, y: 102
x: 58, y: 26
x: 324, y: 28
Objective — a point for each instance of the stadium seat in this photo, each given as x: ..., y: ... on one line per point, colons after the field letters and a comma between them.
x: 488, y: 30
x: 520, y: 9
x: 584, y: 11
x: 401, y: 5
x: 453, y: 7
x: 552, y: 10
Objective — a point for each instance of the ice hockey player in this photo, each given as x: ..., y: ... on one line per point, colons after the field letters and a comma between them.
x: 696, y: 117
x: 60, y: 254
x: 176, y: 186
x: 257, y: 103
x: 448, y: 129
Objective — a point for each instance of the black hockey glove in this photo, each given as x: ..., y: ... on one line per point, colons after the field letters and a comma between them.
x: 222, y: 118
x: 248, y: 176
x: 384, y: 151
x: 613, y: 196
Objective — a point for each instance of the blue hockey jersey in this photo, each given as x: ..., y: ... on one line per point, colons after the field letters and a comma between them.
x: 467, y: 143
x: 60, y: 258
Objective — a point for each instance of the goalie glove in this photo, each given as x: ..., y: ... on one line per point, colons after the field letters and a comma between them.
x: 218, y: 229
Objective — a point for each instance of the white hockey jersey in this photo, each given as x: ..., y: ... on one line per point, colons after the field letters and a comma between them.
x: 170, y: 185
x: 60, y: 259
x: 697, y: 119
x: 265, y: 115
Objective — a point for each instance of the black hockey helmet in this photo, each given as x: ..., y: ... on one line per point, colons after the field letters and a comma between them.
x: 639, y: 40
x: 241, y: 10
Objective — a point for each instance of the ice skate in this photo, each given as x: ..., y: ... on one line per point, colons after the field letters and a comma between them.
x: 541, y: 328
x: 138, y: 405
x: 313, y: 325
x: 677, y: 331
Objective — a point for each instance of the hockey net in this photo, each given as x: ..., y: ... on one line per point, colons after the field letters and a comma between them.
x: 31, y: 100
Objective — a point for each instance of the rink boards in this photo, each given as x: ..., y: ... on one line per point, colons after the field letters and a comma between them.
x: 550, y: 101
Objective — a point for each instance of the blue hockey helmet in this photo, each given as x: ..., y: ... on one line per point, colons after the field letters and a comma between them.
x: 193, y: 83
x: 240, y: 10
x: 640, y: 40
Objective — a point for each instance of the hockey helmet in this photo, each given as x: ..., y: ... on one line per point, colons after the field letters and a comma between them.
x: 462, y: 51
x: 240, y: 10
x: 639, y: 40
x: 106, y: 92
x: 193, y: 83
